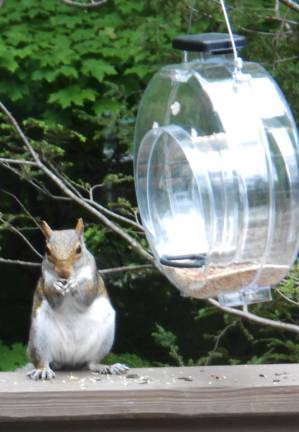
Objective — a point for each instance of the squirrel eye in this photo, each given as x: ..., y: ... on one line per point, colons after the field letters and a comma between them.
x: 78, y: 249
x: 48, y: 250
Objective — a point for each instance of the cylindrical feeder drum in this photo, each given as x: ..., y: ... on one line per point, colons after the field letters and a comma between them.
x: 217, y: 174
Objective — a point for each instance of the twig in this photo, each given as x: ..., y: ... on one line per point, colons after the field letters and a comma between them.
x: 276, y: 8
x: 24, y: 238
x: 281, y: 60
x: 92, y: 5
x: 17, y: 161
x: 23, y: 207
x: 286, y: 298
x: 218, y: 339
x: 113, y: 214
x: 110, y: 212
x: 263, y: 33
x: 67, y: 191
x: 126, y: 268
x: 19, y: 262
x: 102, y: 271
x: 64, y: 178
x: 33, y: 183
x: 252, y: 317
x: 291, y: 4
x: 92, y: 189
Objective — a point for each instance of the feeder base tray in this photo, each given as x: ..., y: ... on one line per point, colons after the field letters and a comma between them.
x: 211, y: 282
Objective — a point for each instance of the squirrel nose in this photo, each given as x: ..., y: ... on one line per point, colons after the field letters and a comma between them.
x: 63, y: 273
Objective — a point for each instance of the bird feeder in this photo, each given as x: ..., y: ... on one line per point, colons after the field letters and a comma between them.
x: 217, y: 173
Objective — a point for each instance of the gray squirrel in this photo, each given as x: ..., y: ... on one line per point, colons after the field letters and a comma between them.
x: 72, y: 320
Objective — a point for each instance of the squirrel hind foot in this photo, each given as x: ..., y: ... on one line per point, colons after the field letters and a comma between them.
x: 41, y: 374
x: 115, y: 369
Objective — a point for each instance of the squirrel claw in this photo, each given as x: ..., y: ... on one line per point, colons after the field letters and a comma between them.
x: 43, y: 374
x: 60, y: 287
x: 72, y: 284
x: 115, y: 369
x: 118, y: 369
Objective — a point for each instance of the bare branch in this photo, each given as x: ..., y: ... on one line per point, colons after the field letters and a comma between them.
x: 21, y: 134
x: 126, y: 268
x: 65, y: 179
x: 114, y: 215
x: 252, y: 317
x: 67, y: 191
x: 21, y: 235
x: 92, y: 189
x: 92, y: 5
x: 33, y: 183
x: 18, y: 262
x: 218, y: 339
x: 291, y: 4
x: 110, y: 212
x: 17, y: 161
x: 23, y: 207
x: 286, y: 298
x: 276, y: 8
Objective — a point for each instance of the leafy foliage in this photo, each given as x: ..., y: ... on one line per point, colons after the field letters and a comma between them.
x: 12, y: 357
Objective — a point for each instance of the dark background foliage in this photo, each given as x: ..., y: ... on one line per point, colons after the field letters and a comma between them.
x: 73, y: 78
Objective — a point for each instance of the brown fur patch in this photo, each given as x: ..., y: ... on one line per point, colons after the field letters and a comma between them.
x: 38, y: 297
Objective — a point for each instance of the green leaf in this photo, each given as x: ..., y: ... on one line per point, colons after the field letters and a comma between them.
x: 7, y: 60
x: 14, y: 92
x: 107, y: 106
x: 72, y: 95
x: 140, y: 70
x: 98, y: 69
x: 48, y: 75
x: 12, y: 356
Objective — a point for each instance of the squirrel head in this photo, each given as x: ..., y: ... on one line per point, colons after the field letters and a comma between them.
x: 63, y: 248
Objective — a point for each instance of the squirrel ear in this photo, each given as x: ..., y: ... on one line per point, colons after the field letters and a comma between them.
x: 47, y: 231
x: 79, y: 227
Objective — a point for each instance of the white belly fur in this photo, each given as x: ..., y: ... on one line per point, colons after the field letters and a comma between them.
x: 70, y: 336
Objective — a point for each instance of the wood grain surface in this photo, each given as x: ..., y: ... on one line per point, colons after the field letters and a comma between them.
x: 170, y: 395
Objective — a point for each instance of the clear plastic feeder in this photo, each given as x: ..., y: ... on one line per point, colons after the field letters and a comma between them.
x: 217, y: 174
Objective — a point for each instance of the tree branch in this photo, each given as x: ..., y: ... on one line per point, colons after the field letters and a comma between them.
x: 218, y: 339
x: 17, y: 161
x: 107, y: 271
x: 291, y: 4
x: 23, y: 208
x: 21, y: 235
x: 92, y: 5
x: 113, y: 214
x: 286, y: 298
x: 67, y: 191
x: 18, y: 262
x: 126, y: 268
x: 252, y: 317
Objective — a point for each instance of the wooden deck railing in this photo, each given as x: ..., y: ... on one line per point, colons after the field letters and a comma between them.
x: 217, y: 398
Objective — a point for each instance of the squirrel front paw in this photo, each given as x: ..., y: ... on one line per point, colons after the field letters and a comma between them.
x: 72, y: 284
x: 114, y: 369
x: 62, y: 286
x: 43, y: 374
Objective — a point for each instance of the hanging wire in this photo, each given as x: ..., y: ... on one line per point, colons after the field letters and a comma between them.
x: 237, y: 59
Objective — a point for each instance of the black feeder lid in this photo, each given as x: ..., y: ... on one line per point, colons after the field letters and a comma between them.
x: 212, y: 43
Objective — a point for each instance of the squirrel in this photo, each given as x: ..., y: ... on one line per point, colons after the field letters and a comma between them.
x: 72, y: 320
